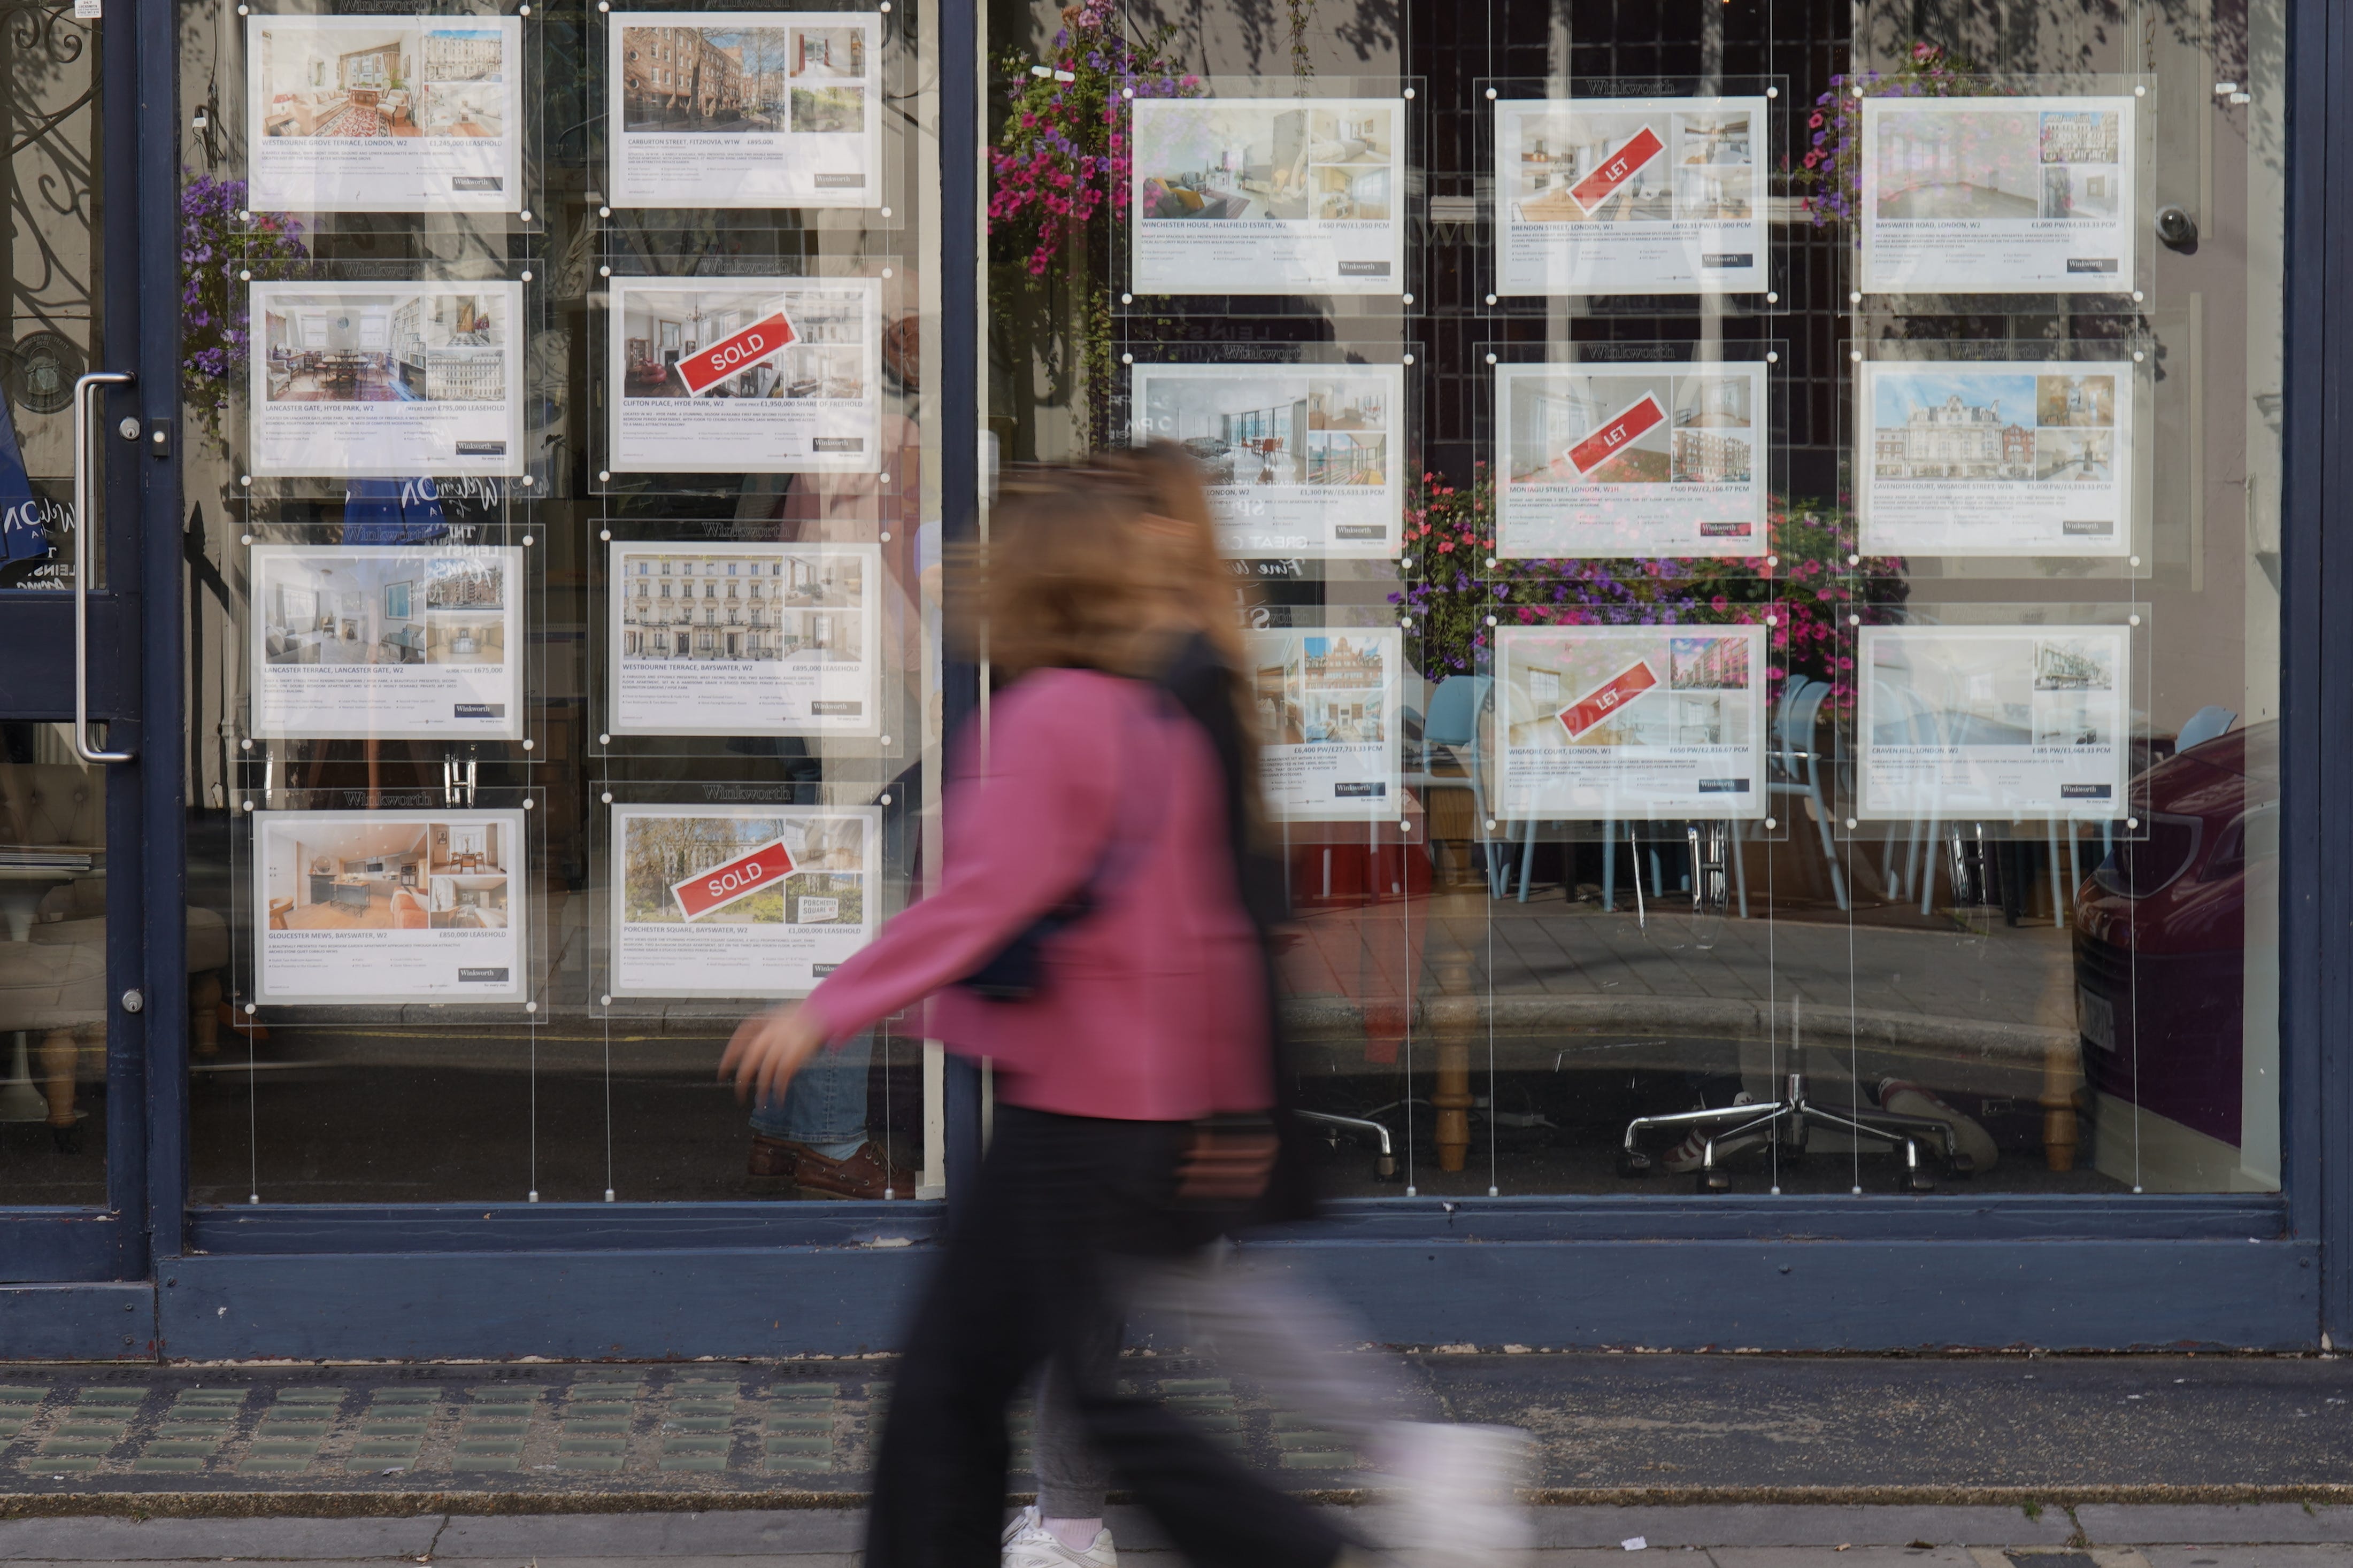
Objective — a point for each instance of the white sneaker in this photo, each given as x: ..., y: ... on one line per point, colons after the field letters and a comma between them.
x: 1029, y: 1545
x: 1455, y: 1501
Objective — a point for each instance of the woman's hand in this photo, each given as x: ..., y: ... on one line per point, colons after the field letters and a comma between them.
x: 769, y: 1049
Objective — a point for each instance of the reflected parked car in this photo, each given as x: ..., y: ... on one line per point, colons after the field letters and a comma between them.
x: 2161, y: 936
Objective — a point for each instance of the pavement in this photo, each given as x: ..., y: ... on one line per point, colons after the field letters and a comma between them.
x: 2022, y: 1435
x: 2276, y: 1535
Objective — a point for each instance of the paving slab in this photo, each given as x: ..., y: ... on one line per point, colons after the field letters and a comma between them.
x: 1839, y: 1555
x: 748, y: 1533
x: 1725, y: 1525
x: 2333, y: 1555
x: 115, y: 1540
x: 2260, y: 1523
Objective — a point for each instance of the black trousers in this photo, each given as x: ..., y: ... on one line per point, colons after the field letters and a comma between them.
x: 1030, y: 1271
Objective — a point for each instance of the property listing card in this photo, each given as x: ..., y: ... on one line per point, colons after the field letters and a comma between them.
x: 1993, y: 721
x: 1997, y: 195
x: 386, y: 642
x: 1629, y: 458
x: 2024, y: 457
x: 389, y: 906
x: 1633, y: 195
x: 383, y: 114
x: 1273, y: 196
x: 744, y: 639
x: 1629, y: 723
x: 1328, y: 705
x: 365, y: 380
x: 745, y: 109
x: 1301, y: 460
x: 731, y: 375
x: 740, y: 901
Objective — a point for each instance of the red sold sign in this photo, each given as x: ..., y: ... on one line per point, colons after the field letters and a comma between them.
x: 739, y: 878
x: 1608, y: 698
x: 706, y: 368
x: 1617, y: 169
x: 1613, y: 437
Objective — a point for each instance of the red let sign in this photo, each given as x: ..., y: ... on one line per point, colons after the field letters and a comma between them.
x: 1613, y: 437
x: 1617, y: 169
x: 706, y: 368
x: 721, y: 885
x: 1605, y: 699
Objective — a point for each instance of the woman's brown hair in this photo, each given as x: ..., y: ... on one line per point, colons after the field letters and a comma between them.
x: 1175, y: 488
x: 1057, y: 582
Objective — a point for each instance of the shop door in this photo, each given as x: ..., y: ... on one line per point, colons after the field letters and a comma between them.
x: 74, y: 452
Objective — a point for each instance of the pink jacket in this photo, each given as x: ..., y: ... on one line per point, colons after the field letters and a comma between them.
x: 1153, y: 1007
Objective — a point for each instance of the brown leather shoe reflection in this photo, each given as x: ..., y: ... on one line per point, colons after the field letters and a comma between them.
x: 864, y: 1174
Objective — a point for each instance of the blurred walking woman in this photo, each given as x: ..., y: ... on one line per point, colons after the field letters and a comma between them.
x: 1087, y: 935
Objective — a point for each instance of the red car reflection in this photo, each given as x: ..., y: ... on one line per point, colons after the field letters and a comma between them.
x: 2161, y: 932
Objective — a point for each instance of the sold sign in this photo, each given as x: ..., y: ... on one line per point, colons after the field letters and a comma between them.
x: 739, y: 878
x: 1606, y: 699
x: 706, y: 368
x: 1616, y: 170
x: 1616, y: 436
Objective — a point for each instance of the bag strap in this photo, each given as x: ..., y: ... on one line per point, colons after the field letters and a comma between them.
x: 1123, y: 850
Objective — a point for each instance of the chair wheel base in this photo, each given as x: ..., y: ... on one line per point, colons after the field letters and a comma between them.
x: 1915, y: 1181
x: 1715, y: 1181
x: 1384, y: 1168
x: 1633, y: 1165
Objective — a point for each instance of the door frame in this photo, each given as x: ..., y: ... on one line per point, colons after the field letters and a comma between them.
x: 128, y: 650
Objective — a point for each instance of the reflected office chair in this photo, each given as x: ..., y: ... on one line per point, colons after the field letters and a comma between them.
x: 1786, y: 1121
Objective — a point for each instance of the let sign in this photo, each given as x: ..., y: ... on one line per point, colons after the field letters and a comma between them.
x: 1608, y: 698
x: 1617, y: 169
x: 1616, y: 436
x: 706, y: 368
x: 739, y: 878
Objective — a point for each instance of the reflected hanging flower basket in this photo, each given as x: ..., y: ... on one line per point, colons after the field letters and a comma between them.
x: 1828, y: 178
x: 1449, y: 532
x: 218, y: 244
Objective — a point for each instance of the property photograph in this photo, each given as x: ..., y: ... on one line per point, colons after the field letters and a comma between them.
x: 824, y: 898
x: 828, y: 111
x: 385, y: 347
x: 2075, y: 457
x: 1210, y: 160
x: 1273, y: 427
x: 829, y: 855
x: 801, y: 609
x: 327, y: 607
x: 826, y: 360
x: 828, y: 54
x: 2078, y: 401
x: 1958, y: 162
x: 1331, y: 692
x: 1953, y: 424
x: 1552, y: 415
x: 1954, y: 691
x: 705, y: 80
x: 1559, y: 148
x: 328, y: 78
x: 387, y: 874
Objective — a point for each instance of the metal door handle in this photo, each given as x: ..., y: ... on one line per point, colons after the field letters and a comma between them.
x: 84, y: 561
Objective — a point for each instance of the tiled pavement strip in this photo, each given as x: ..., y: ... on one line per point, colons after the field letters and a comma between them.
x: 2036, y: 1446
